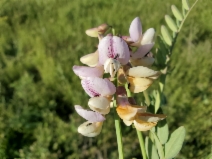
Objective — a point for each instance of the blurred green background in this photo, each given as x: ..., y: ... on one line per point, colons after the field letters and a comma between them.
x: 41, y: 40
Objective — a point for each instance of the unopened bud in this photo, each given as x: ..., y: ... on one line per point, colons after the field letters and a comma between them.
x: 103, y: 28
x: 93, y: 32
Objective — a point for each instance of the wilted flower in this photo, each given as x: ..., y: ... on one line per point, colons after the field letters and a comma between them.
x: 142, y: 120
x: 93, y: 126
x: 90, y: 129
x: 140, y: 78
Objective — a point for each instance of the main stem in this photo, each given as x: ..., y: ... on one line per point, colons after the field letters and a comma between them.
x: 118, y: 132
x: 141, y: 142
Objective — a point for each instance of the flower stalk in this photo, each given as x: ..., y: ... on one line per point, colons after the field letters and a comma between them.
x: 141, y: 142
x: 118, y: 132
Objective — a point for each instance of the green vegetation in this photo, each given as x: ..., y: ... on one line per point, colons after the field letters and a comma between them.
x: 41, y: 40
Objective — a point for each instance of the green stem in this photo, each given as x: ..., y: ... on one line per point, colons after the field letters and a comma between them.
x: 113, y: 32
x: 118, y: 132
x: 186, y: 16
x: 181, y: 25
x: 147, y: 100
x: 129, y: 94
x: 141, y: 142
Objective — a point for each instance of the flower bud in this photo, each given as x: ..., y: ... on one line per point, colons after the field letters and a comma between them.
x: 93, y: 32
x: 148, y: 36
x: 103, y: 28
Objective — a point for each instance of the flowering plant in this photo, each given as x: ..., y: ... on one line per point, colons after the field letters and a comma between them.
x: 121, y: 66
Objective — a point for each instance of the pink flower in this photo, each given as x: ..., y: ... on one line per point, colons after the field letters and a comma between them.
x: 89, y: 115
x: 113, y: 47
x: 143, y: 41
x: 95, y: 87
x: 84, y: 71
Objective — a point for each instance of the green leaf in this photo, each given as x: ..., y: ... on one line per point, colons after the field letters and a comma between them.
x: 209, y: 156
x: 159, y: 146
x: 175, y: 142
x: 157, y: 100
x: 161, y: 53
x: 166, y: 36
x: 171, y: 24
x: 185, y: 4
x: 176, y: 13
x: 162, y: 131
x: 150, y: 149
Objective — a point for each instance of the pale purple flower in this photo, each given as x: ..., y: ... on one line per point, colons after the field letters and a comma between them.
x: 113, y: 47
x: 95, y: 87
x: 89, y: 115
x: 143, y: 41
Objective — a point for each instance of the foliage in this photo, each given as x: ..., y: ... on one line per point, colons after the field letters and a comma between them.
x: 40, y: 41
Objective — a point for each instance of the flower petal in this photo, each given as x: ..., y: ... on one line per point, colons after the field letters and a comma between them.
x: 122, y: 100
x: 149, y: 117
x: 139, y: 81
x: 143, y: 126
x: 138, y: 85
x: 128, y: 122
x: 135, y: 29
x: 93, y: 32
x: 126, y: 112
x: 95, y: 86
x: 145, y: 61
x: 113, y: 47
x: 99, y: 104
x: 138, y: 89
x: 90, y: 59
x: 83, y: 71
x: 127, y: 39
x: 142, y: 50
x: 155, y: 76
x: 89, y: 115
x: 90, y: 129
x: 148, y: 37
x: 141, y: 71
